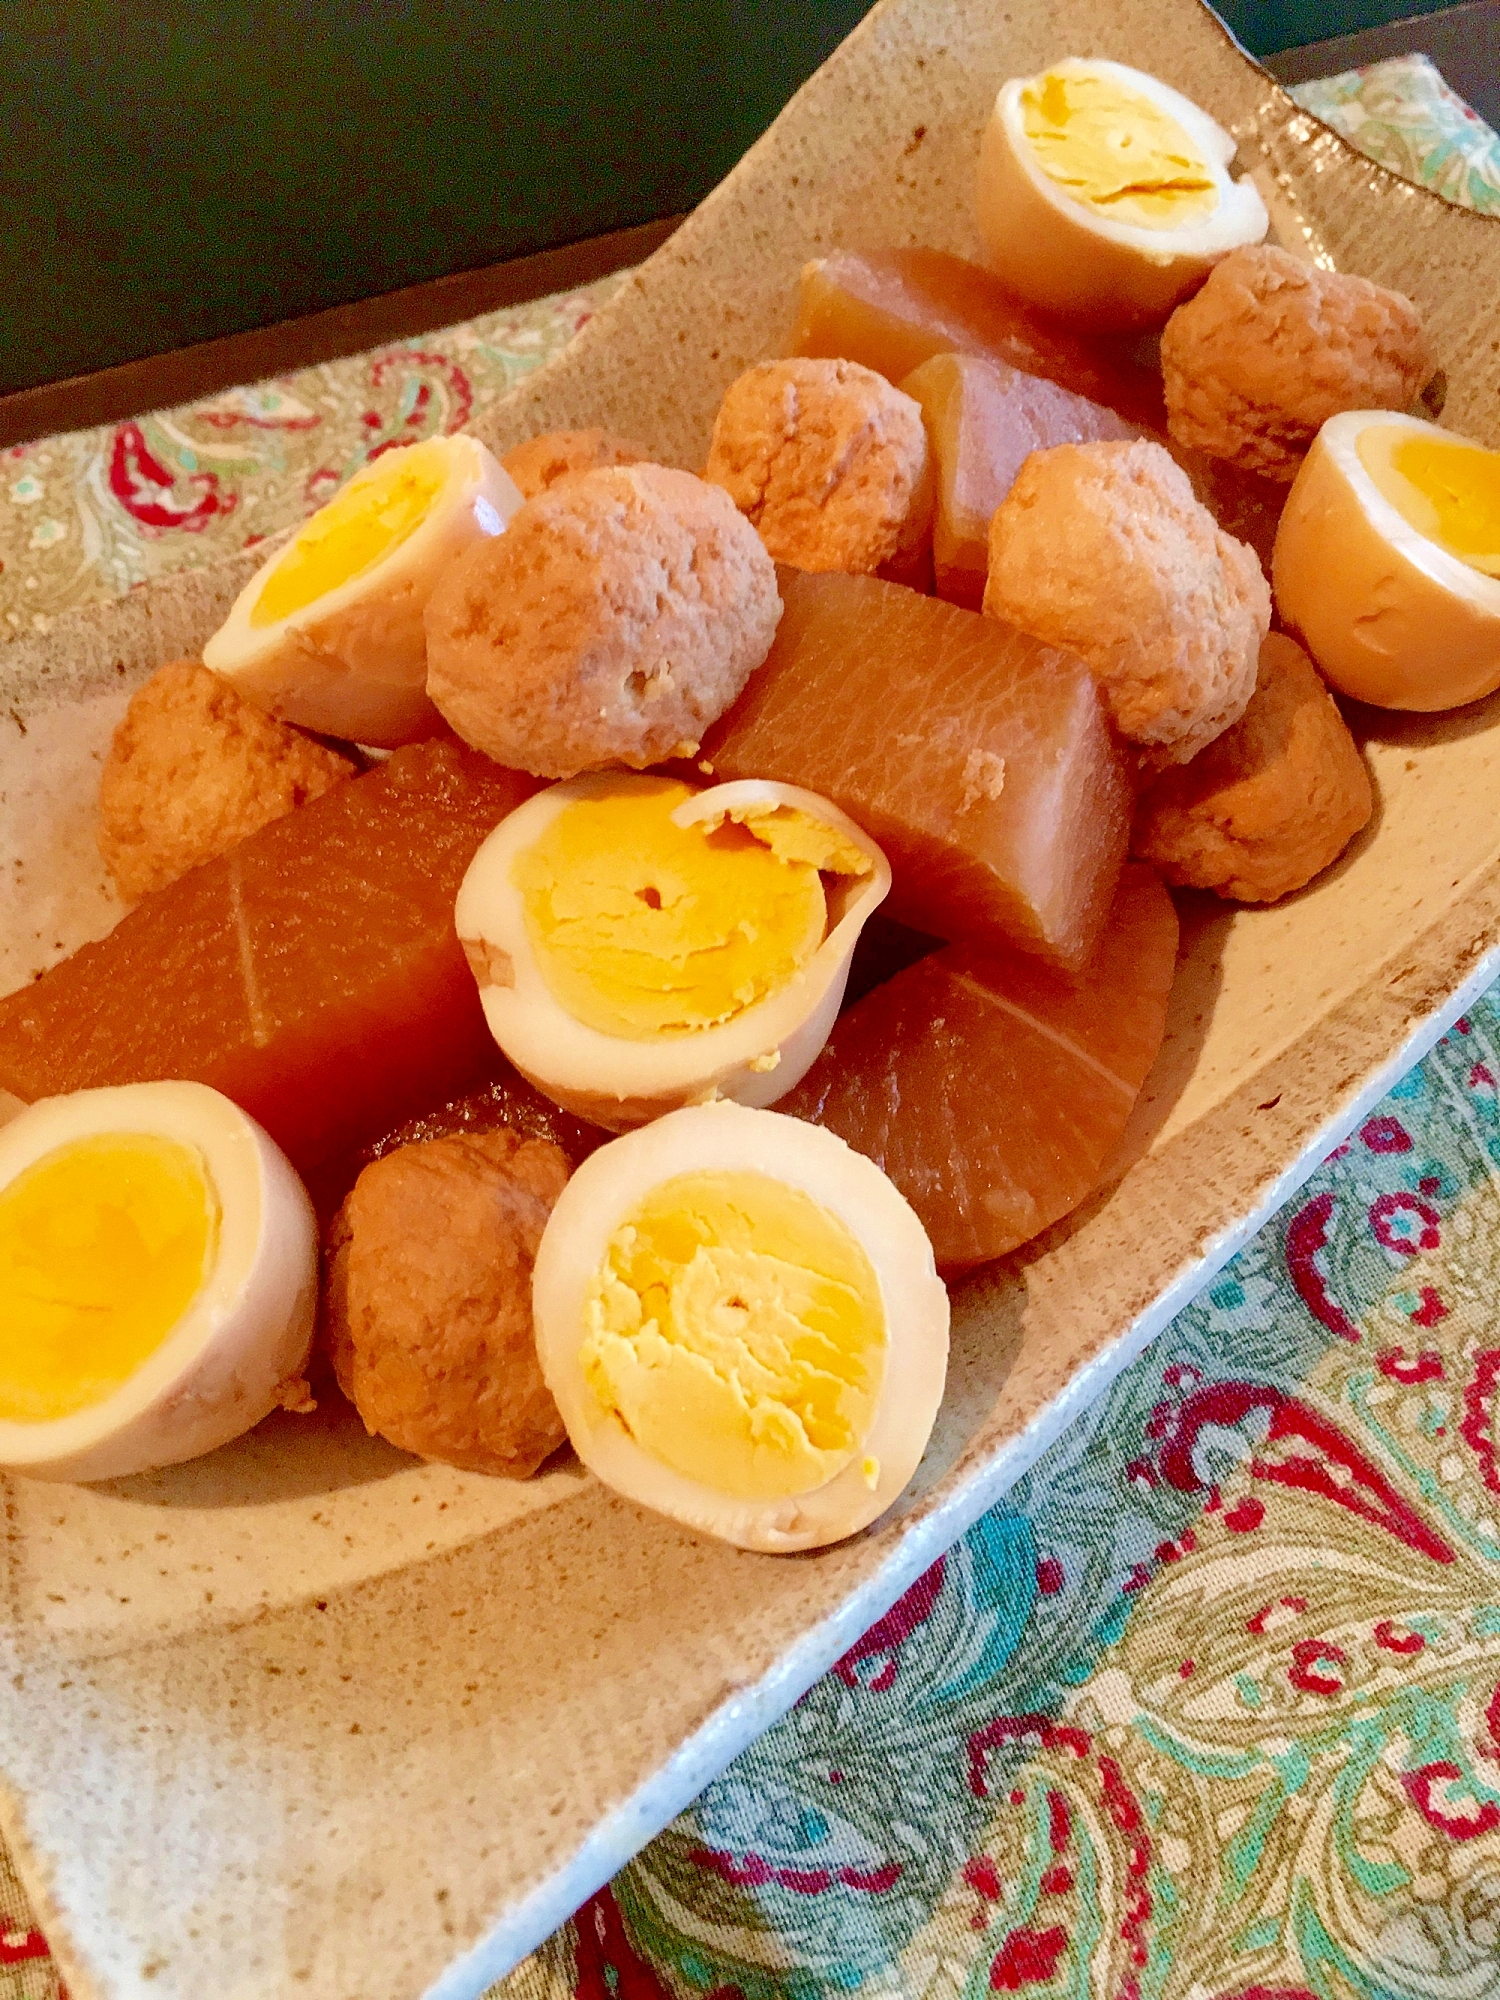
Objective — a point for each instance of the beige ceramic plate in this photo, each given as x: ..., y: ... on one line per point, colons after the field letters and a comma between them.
x: 311, y: 1718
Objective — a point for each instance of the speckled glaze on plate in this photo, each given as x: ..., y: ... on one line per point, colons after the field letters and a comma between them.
x: 309, y: 1717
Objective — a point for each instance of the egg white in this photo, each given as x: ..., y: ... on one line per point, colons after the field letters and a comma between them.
x: 734, y: 1139
x: 353, y: 662
x: 1064, y: 256
x: 248, y: 1329
x: 755, y: 1058
x: 1390, y: 616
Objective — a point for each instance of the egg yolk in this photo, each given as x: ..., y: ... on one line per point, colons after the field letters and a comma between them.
x: 376, y: 512
x: 644, y: 928
x: 104, y: 1244
x: 1446, y: 489
x: 1115, y: 151
x: 736, y: 1329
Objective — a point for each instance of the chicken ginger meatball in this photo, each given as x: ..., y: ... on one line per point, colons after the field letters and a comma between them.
x: 193, y: 770
x: 831, y: 464
x: 1101, y: 549
x: 541, y: 461
x: 620, y: 613
x: 1272, y: 347
x: 1271, y: 802
x: 427, y: 1300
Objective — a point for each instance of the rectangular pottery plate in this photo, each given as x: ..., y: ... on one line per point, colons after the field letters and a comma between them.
x: 311, y: 1717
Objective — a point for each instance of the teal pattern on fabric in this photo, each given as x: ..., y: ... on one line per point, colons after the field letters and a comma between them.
x: 967, y: 1790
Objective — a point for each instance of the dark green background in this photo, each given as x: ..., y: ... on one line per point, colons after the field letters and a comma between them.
x: 177, y: 170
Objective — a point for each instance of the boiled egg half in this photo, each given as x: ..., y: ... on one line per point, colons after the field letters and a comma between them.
x: 1387, y: 560
x: 741, y: 1324
x: 328, y: 633
x: 640, y: 945
x: 158, y: 1279
x: 1106, y: 195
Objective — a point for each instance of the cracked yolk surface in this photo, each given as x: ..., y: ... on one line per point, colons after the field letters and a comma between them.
x: 1115, y: 151
x: 736, y: 1329
x: 645, y: 928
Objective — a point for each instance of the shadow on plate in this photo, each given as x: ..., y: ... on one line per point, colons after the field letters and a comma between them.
x: 1403, y: 727
x: 988, y: 1323
x: 1205, y: 922
x: 284, y: 1458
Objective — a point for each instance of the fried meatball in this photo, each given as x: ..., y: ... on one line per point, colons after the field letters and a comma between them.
x: 1272, y: 347
x: 427, y: 1300
x: 1102, y: 550
x: 830, y: 462
x: 541, y: 461
x: 193, y: 769
x: 619, y: 615
x: 1270, y: 803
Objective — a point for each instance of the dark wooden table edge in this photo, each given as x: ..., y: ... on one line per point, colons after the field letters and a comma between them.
x: 159, y: 381
x: 1464, y: 38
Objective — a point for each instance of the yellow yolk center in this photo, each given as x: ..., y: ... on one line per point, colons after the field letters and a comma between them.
x: 645, y: 928
x: 737, y: 1331
x: 1448, y: 490
x: 1115, y: 151
x: 377, y: 511
x: 104, y: 1244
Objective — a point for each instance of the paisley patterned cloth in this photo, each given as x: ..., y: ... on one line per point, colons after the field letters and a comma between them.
x: 1209, y: 1708
x: 85, y: 516
x: 1402, y: 114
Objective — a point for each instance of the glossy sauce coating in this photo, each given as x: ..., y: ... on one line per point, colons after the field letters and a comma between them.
x: 892, y: 309
x: 978, y: 758
x: 312, y: 974
x: 992, y: 1091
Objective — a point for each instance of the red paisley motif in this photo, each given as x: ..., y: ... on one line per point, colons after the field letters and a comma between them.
x: 228, y: 420
x: 1407, y: 1644
x: 609, y: 1967
x: 1306, y: 1234
x: 1420, y: 1786
x: 1335, y: 1469
x: 888, y: 1635
x: 1424, y: 1367
x: 1303, y: 1672
x: 460, y: 390
x: 1019, y: 1729
x: 144, y: 487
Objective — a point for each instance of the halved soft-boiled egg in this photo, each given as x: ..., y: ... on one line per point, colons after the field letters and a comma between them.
x: 328, y: 633
x: 1387, y: 560
x: 640, y: 945
x: 741, y: 1324
x: 1106, y: 195
x: 158, y: 1279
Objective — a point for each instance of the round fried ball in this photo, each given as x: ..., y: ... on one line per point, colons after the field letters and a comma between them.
x: 541, y: 461
x: 427, y: 1300
x: 620, y: 613
x: 193, y: 770
x: 1271, y: 802
x: 1272, y: 347
x: 829, y: 461
x: 1102, y: 550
